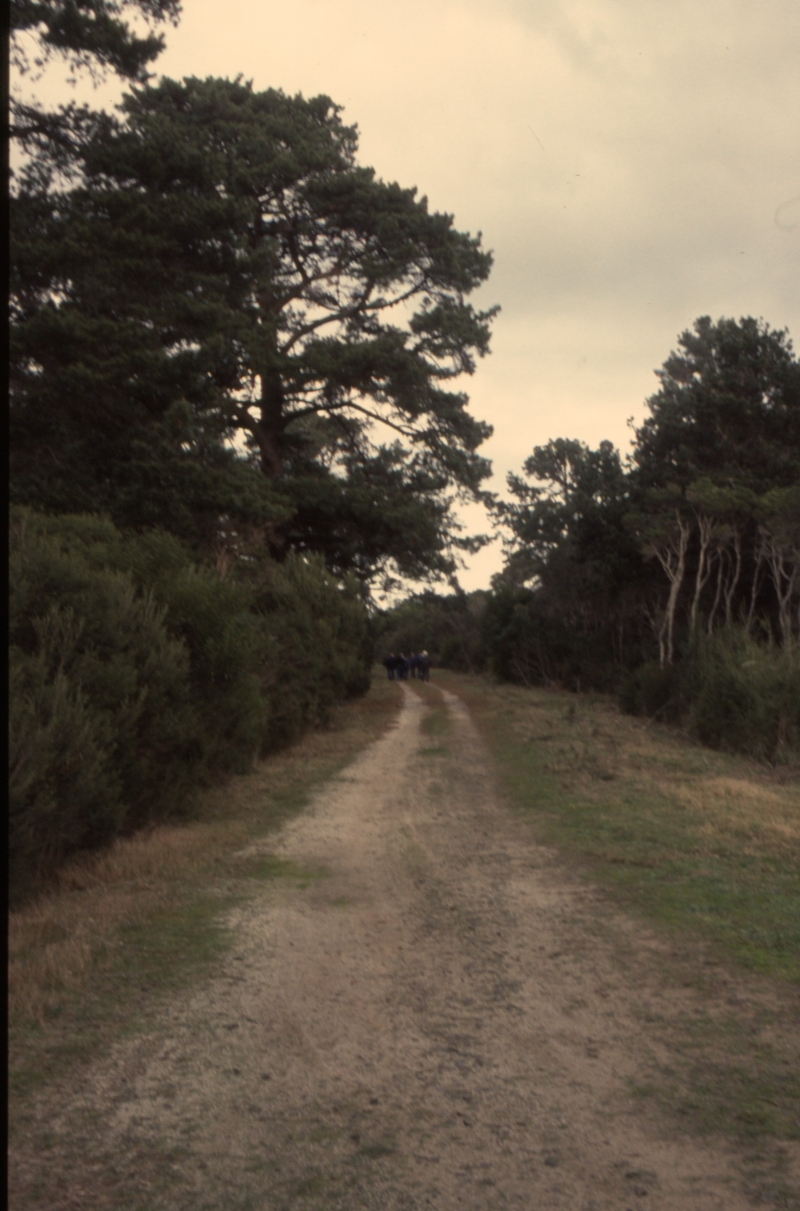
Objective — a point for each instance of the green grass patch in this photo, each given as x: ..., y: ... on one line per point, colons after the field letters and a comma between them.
x: 697, y: 841
x: 724, y: 1078
x: 317, y: 1183
x: 161, y: 954
x: 375, y: 1152
x: 172, y: 949
x: 269, y: 866
x: 436, y: 723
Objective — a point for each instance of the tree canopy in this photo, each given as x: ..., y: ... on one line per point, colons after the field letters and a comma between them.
x: 223, y: 268
x: 578, y: 497
x: 95, y: 36
x: 728, y: 408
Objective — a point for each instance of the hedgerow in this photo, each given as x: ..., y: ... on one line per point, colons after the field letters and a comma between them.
x: 138, y: 673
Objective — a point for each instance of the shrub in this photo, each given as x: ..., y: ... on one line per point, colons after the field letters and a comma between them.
x: 745, y: 696
x: 653, y: 691
x: 103, y: 725
x: 213, y: 620
x: 137, y: 673
x: 64, y: 790
x: 729, y: 691
x: 317, y: 644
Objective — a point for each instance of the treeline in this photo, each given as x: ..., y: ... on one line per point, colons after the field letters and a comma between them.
x: 671, y: 577
x: 139, y: 673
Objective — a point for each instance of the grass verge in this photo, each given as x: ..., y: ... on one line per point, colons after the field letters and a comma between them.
x: 435, y: 725
x: 91, y: 958
x: 706, y: 847
x: 699, y: 842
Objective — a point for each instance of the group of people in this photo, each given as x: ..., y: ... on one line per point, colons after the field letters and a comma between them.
x: 418, y: 664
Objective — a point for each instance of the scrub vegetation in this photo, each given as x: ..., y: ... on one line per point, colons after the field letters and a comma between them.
x: 217, y: 316
x: 139, y: 674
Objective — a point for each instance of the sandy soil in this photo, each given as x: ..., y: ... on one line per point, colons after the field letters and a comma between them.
x: 446, y: 1019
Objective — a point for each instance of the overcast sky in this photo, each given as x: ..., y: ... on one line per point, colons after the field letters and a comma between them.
x: 633, y: 164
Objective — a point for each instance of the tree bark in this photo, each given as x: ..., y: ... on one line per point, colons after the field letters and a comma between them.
x: 784, y: 563
x: 671, y: 554
x: 706, y: 529
x: 722, y: 556
x: 760, y: 555
x: 730, y: 586
x: 268, y: 431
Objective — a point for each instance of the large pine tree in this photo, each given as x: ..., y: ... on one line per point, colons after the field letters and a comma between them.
x: 226, y: 267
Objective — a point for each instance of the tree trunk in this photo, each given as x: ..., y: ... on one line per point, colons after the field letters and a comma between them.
x: 671, y: 554
x: 730, y: 586
x: 705, y: 526
x: 722, y: 556
x: 268, y: 431
x: 760, y: 554
x: 784, y: 563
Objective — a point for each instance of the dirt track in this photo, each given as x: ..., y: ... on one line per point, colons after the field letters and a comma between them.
x: 445, y: 1020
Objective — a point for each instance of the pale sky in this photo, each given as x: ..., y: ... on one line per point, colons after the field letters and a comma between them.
x: 632, y: 164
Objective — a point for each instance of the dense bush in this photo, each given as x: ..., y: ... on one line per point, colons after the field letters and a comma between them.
x: 729, y: 691
x: 530, y: 644
x: 744, y: 696
x: 317, y: 641
x: 103, y: 730
x: 654, y: 691
x: 136, y: 673
x: 64, y: 790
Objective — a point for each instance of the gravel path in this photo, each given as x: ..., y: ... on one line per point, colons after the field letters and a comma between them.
x: 445, y: 1020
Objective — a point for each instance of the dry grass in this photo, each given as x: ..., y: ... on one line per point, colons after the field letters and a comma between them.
x: 590, y: 740
x: 55, y: 941
x: 758, y: 814
x: 705, y: 848
x: 704, y: 842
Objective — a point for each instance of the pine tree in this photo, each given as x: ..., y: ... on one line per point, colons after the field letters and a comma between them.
x: 226, y: 257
